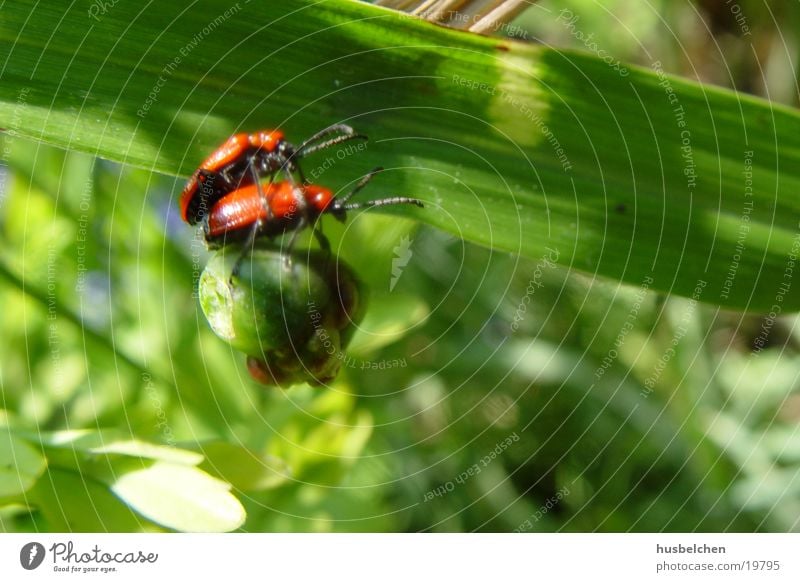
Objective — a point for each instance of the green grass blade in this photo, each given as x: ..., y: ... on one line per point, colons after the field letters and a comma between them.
x: 522, y: 148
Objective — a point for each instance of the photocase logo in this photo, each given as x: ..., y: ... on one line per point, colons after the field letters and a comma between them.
x: 403, y: 255
x: 31, y: 555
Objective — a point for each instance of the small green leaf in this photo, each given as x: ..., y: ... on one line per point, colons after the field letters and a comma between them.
x: 181, y: 498
x: 81, y: 439
x: 134, y: 448
x: 74, y: 503
x: 389, y: 318
x: 110, y: 441
x: 246, y: 470
x: 20, y: 465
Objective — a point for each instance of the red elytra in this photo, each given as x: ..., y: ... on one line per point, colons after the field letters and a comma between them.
x: 283, y: 206
x: 279, y: 207
x: 246, y: 158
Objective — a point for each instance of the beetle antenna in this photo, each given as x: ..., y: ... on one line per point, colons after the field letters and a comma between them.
x: 345, y: 132
x: 340, y: 202
x: 382, y: 202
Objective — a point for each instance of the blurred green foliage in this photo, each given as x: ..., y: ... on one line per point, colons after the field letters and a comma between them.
x: 485, y: 392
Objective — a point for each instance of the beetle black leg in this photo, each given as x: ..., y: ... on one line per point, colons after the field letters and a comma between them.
x: 286, y: 252
x: 264, y: 201
x: 324, y: 244
x: 303, y: 179
x: 248, y: 246
x: 290, y: 177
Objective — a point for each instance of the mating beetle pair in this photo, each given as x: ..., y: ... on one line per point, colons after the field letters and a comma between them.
x: 226, y: 195
x: 263, y: 306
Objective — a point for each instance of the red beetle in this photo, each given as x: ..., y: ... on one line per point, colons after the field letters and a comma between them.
x: 245, y: 159
x: 279, y: 207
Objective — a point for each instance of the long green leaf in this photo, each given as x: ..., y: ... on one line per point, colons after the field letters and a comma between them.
x: 639, y: 177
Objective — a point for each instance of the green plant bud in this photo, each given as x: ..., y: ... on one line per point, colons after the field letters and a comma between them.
x: 291, y: 314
